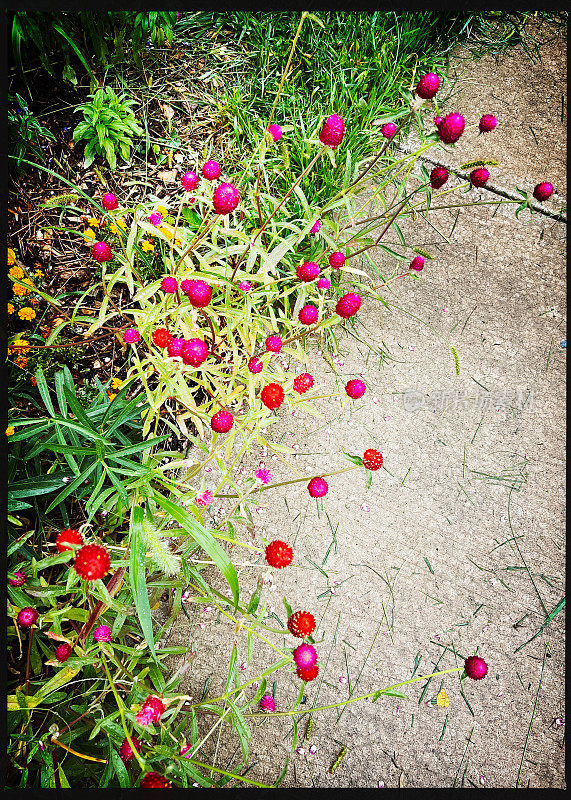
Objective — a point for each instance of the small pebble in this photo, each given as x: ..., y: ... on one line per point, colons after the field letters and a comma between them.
x: 381, y: 785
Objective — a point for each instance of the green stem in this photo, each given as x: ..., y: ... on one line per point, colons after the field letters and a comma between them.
x: 296, y: 480
x: 356, y: 699
x: 228, y: 774
x: 121, y: 708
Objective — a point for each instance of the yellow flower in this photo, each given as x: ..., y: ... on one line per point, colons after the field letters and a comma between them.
x: 11, y: 257
x: 17, y: 272
x: 116, y: 383
x: 27, y: 313
x: 111, y: 396
x: 146, y: 246
x: 93, y: 222
x: 89, y: 233
x: 166, y: 231
x: 178, y: 242
x: 38, y: 274
x: 21, y: 345
x: 163, y: 211
x: 112, y: 228
x: 121, y: 223
x: 11, y: 308
x: 10, y: 430
x: 442, y: 699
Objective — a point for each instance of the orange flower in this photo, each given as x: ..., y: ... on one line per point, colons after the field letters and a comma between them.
x: 19, y: 290
x: 11, y: 308
x: 21, y: 361
x: 17, y: 272
x: 19, y: 345
x: 34, y: 301
x: 27, y: 313
x: 10, y: 430
x: 11, y: 257
x: 33, y: 380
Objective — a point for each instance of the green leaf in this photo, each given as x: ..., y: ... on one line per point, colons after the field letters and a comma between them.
x: 287, y: 608
x: 120, y: 769
x: 71, y: 487
x: 44, y: 391
x: 232, y: 669
x: 241, y: 727
x: 205, y: 540
x: 137, y: 578
x: 254, y: 601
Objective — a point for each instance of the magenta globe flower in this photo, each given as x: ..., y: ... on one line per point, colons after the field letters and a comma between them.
x: 131, y: 336
x: 102, y: 634
x: 388, y: 130
x: 275, y: 132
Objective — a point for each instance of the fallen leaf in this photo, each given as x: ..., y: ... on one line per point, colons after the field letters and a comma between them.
x: 167, y: 176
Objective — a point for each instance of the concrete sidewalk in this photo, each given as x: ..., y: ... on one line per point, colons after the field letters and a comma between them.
x: 459, y: 542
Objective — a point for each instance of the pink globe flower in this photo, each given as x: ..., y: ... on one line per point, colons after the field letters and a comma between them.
x: 244, y: 286
x: 189, y: 181
x: 388, y: 130
x: 275, y: 132
x: 152, y: 710
x: 305, y: 656
x: 101, y: 252
x: 308, y: 315
x: 225, y: 198
x: 487, y: 123
x: 475, y: 668
x: 428, y: 86
x: 175, y: 346
x: 417, y: 264
x: 336, y: 260
x: 543, y: 191
x: 274, y: 344
x: 451, y: 128
x: 267, y: 703
x: 110, y: 202
x: 333, y: 131
x: 437, y: 121
x: 19, y: 578
x: 211, y: 170
x: 316, y: 227
x: 194, y: 352
x: 318, y: 487
x: 348, y: 305
x: 126, y: 753
x: 131, y: 336
x: 204, y: 499
x: 102, y: 634
x: 308, y: 271
x: 169, y: 284
x: 199, y: 293
x: 222, y: 422
x: 155, y: 218
x: 255, y: 365
x: 263, y: 475
x: 27, y: 617
x: 63, y: 652
x: 479, y: 177
x: 438, y: 177
x: 355, y: 388
x: 324, y: 283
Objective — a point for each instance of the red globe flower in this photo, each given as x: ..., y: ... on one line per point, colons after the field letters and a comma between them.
x: 372, y: 460
x: 279, y: 554
x: 152, y: 780
x: 272, y: 395
x: 92, y: 562
x: 162, y: 337
x: 301, y: 623
x: 66, y: 538
x: 308, y: 673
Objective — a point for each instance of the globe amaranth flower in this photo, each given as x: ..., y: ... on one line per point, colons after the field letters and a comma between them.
x: 263, y: 475
x: 102, y: 634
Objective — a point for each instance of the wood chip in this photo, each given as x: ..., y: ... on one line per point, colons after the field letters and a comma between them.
x: 167, y: 176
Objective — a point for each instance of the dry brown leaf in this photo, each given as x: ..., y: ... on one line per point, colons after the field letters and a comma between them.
x: 167, y: 176
x: 167, y: 110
